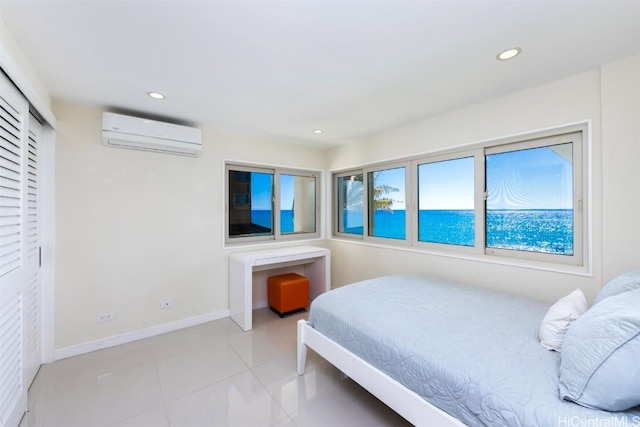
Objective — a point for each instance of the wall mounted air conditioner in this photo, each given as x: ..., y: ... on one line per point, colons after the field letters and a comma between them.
x: 150, y: 135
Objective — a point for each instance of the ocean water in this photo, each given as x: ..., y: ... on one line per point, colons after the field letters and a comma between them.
x: 548, y: 231
x: 263, y: 218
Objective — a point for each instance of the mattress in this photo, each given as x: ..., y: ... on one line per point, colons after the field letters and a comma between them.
x: 471, y: 352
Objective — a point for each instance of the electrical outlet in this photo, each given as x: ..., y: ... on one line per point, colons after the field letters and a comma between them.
x: 105, y: 317
x: 166, y: 303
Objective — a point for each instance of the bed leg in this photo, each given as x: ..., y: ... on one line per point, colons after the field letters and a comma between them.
x: 302, y: 348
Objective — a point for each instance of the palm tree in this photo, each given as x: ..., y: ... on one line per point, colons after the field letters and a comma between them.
x: 380, y: 199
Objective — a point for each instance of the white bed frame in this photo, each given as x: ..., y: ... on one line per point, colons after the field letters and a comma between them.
x: 405, y: 402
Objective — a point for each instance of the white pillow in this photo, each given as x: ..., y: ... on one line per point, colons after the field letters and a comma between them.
x: 559, y: 317
x: 599, y: 363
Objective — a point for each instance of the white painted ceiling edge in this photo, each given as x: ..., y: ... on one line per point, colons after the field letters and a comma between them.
x: 282, y: 69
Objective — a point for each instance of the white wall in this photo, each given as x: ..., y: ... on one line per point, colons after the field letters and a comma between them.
x: 24, y: 76
x: 136, y: 227
x: 607, y: 96
x: 621, y: 166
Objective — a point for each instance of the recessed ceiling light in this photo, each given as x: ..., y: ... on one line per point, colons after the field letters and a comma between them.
x: 318, y: 131
x: 155, y: 95
x: 509, y: 53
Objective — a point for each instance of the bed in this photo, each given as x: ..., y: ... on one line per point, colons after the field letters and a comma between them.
x: 445, y: 354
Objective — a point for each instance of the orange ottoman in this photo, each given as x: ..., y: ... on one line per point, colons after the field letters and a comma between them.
x: 288, y: 293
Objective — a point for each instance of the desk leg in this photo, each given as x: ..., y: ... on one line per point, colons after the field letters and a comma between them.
x: 240, y: 294
x: 318, y: 273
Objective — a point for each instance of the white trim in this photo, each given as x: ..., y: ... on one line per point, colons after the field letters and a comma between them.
x: 511, y: 262
x: 248, y: 242
x: 47, y: 242
x: 405, y: 402
x: 588, y: 226
x: 18, y: 77
x: 469, y: 145
x: 260, y: 304
x: 586, y: 270
x: 87, y: 347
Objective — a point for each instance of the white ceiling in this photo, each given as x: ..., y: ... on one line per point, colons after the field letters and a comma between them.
x: 280, y: 69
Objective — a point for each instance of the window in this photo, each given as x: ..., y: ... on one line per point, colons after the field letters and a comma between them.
x: 534, y: 198
x: 350, y: 192
x: 386, y: 194
x: 511, y: 198
x: 446, y: 210
x: 384, y: 213
x: 297, y: 204
x: 252, y: 193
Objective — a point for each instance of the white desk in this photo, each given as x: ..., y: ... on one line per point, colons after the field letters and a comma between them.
x: 316, y: 262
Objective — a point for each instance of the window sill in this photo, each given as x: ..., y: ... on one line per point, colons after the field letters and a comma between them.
x: 574, y: 270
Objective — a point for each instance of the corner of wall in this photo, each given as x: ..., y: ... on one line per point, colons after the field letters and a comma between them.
x: 19, y: 69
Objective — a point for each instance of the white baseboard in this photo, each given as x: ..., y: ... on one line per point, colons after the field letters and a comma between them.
x: 87, y: 347
x: 260, y: 304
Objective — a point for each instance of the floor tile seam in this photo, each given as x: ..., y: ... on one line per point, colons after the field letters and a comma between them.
x: 273, y: 399
x: 173, y: 354
x: 140, y: 413
x: 123, y: 368
x: 162, y: 391
x: 168, y: 400
x: 173, y: 400
x: 322, y: 393
x: 239, y: 355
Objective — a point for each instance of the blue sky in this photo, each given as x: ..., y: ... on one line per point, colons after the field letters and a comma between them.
x: 286, y: 191
x: 540, y: 178
x: 446, y: 185
x: 261, y: 194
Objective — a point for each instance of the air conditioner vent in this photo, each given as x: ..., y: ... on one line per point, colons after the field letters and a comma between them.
x: 149, y: 135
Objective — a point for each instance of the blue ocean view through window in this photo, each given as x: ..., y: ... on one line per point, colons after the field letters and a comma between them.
x: 546, y: 231
x: 263, y: 218
x: 533, y: 230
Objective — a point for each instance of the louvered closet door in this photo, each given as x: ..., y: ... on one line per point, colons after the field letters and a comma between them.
x: 14, y: 116
x: 33, y: 353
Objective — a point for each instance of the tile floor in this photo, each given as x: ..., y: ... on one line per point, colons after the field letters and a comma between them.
x: 208, y: 375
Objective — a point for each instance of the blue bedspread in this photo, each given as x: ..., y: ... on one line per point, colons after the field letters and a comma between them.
x: 471, y: 352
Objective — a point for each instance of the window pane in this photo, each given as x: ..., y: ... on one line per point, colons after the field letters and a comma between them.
x: 530, y: 200
x: 250, y: 206
x: 297, y: 204
x: 350, y: 204
x: 386, y: 190
x: 445, y: 199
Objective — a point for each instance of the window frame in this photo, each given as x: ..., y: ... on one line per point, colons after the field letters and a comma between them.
x: 478, y: 201
x: 407, y: 197
x: 578, y: 133
x: 338, y: 211
x: 277, y: 195
x: 276, y: 234
x: 578, y: 202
